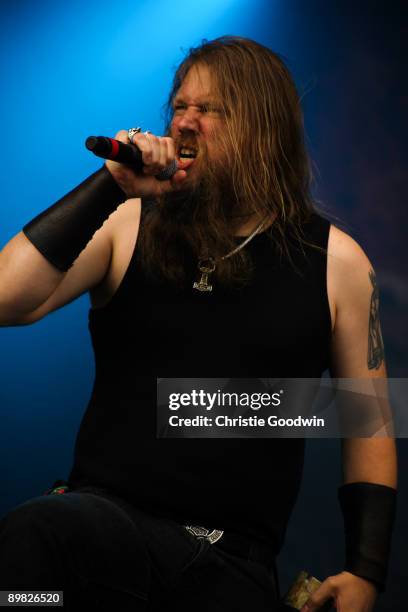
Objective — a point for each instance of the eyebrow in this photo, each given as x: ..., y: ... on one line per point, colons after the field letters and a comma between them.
x: 199, y: 102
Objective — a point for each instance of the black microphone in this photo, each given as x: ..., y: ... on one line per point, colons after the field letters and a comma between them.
x: 109, y: 148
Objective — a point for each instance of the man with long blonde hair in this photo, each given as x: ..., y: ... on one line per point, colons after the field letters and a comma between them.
x: 224, y: 269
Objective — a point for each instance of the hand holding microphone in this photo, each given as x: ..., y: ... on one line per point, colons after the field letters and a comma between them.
x: 62, y: 231
x: 146, y: 166
x: 108, y: 148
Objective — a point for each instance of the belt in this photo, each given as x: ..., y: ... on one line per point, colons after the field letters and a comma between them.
x: 236, y: 544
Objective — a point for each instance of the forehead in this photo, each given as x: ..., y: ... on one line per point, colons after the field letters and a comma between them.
x: 197, y: 84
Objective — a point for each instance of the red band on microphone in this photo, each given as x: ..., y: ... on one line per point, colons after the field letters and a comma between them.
x: 115, y: 148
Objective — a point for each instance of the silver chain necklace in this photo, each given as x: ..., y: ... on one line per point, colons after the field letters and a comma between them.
x: 207, y: 265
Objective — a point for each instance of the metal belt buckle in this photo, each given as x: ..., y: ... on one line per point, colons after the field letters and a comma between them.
x: 204, y: 534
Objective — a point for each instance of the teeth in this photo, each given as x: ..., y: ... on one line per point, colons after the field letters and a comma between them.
x: 186, y: 152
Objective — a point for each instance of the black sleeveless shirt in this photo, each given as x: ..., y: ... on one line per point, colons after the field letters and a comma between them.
x: 276, y: 326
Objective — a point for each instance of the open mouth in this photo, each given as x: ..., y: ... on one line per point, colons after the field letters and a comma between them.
x: 187, y: 153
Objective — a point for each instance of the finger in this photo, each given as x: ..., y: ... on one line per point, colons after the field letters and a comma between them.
x: 122, y: 136
x: 163, y: 154
x: 147, y: 144
x: 154, y: 143
x: 144, y: 144
x: 171, y: 150
x: 324, y: 593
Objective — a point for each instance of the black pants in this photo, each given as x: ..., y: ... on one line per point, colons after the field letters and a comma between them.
x: 107, y: 555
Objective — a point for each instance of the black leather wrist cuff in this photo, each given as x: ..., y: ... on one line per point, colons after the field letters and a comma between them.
x: 369, y: 514
x: 64, y: 229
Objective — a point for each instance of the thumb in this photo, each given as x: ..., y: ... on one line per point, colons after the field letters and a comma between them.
x: 325, y: 594
x: 171, y: 184
x: 178, y: 177
x: 176, y: 181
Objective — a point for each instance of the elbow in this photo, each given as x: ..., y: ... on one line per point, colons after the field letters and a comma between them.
x: 9, y: 317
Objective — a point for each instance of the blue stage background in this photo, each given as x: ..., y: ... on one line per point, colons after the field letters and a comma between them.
x: 79, y: 68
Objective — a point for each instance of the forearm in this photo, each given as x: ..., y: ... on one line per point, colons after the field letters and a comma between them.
x: 368, y: 502
x: 27, y: 279
x: 35, y: 262
x: 370, y: 460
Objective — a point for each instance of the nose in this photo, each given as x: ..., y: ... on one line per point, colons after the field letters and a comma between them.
x: 188, y: 120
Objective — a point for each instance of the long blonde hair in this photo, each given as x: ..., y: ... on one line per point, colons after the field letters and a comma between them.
x: 263, y: 135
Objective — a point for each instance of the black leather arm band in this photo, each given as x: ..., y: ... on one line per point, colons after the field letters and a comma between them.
x: 369, y: 514
x: 64, y: 229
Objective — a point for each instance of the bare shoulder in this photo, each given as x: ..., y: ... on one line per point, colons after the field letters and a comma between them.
x: 344, y: 249
x: 124, y: 227
x: 347, y: 260
x: 350, y: 274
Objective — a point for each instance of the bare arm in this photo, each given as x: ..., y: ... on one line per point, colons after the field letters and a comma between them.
x: 27, y: 279
x: 31, y: 287
x: 358, y: 352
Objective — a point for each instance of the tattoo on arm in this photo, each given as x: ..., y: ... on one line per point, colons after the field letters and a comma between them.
x: 375, y: 342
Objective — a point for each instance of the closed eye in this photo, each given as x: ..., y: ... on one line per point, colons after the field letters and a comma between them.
x: 202, y: 108
x: 209, y: 108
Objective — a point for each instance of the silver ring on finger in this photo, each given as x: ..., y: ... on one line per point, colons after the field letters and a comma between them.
x: 132, y: 132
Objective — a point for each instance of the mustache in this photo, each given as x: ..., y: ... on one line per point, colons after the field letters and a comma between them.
x: 187, y: 142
